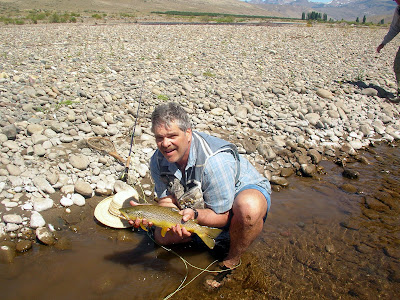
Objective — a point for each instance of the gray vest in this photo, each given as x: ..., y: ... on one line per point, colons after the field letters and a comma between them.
x: 188, y: 191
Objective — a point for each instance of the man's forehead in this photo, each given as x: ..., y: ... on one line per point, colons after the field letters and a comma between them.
x: 169, y: 127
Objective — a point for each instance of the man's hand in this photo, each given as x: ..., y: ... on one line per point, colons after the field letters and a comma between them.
x: 380, y: 48
x: 180, y: 231
x: 137, y: 222
x: 187, y: 214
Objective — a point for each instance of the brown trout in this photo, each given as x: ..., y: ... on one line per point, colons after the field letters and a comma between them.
x: 167, y: 217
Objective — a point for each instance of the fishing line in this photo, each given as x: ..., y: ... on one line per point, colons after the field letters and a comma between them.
x: 186, y: 263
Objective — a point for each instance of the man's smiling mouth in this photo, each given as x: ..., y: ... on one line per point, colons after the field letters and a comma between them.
x: 169, y: 151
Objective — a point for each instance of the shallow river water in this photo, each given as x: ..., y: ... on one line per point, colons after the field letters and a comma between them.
x: 333, y: 238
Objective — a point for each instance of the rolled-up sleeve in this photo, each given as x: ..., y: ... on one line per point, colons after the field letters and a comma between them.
x: 218, y: 182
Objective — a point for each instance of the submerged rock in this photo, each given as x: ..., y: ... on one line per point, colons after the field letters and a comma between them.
x: 45, y: 236
x: 7, y: 252
x: 348, y: 188
x: 23, y: 246
x: 351, y: 174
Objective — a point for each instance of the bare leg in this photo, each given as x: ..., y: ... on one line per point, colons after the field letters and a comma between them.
x: 249, y: 208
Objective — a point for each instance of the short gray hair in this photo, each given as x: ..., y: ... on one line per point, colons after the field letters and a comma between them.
x: 165, y: 114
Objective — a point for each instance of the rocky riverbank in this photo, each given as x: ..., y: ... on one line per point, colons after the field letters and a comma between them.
x: 288, y: 97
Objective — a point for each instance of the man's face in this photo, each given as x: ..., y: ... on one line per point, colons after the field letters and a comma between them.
x: 174, y: 143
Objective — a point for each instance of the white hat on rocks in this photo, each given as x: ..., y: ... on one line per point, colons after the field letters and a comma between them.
x: 107, y: 211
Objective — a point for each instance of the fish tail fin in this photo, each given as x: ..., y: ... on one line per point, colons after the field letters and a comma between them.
x: 208, y: 236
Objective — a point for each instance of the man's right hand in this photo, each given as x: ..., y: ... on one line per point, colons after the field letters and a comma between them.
x: 136, y: 223
x: 380, y: 48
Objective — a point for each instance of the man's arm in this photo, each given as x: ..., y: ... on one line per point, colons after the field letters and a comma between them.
x: 393, y: 30
x: 218, y: 191
x: 168, y: 201
x: 206, y: 217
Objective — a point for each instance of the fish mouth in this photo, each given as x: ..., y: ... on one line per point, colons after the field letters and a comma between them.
x: 123, y: 215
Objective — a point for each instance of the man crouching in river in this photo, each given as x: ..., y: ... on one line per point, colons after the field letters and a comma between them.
x: 207, y: 180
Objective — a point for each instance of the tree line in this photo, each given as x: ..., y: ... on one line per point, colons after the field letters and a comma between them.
x: 317, y: 16
x: 314, y: 16
x: 365, y: 20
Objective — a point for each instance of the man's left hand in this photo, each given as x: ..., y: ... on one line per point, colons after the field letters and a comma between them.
x: 187, y: 214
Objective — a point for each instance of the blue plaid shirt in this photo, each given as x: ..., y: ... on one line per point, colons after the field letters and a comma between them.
x: 218, y: 183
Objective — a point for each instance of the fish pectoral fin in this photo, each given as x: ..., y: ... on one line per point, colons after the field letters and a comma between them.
x: 143, y: 227
x: 164, y: 231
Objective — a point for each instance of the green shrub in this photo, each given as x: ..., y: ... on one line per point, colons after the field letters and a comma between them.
x: 208, y: 74
x: 97, y: 16
x: 7, y: 20
x: 227, y: 19
x: 162, y: 97
x: 205, y: 19
x: 55, y: 18
x: 126, y: 15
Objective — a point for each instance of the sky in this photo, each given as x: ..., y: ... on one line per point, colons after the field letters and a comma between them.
x: 320, y: 1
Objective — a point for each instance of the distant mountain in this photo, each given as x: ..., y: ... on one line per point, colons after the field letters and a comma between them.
x: 336, y: 9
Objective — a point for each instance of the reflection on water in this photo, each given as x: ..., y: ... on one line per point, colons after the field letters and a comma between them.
x: 319, y: 241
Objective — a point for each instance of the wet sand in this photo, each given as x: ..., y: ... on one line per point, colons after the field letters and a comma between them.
x: 319, y: 241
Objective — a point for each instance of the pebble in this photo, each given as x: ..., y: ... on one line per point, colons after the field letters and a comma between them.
x: 79, y: 161
x: 37, y: 220
x: 42, y: 184
x: 13, y: 170
x: 308, y: 170
x: 279, y: 181
x: 41, y: 204
x: 83, y: 188
x: 66, y: 201
x: 330, y: 248
x: 351, y: 174
x: 324, y: 94
x: 17, y: 219
x: 23, y: 246
x: 45, y: 236
x: 78, y: 199
x: 348, y: 188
